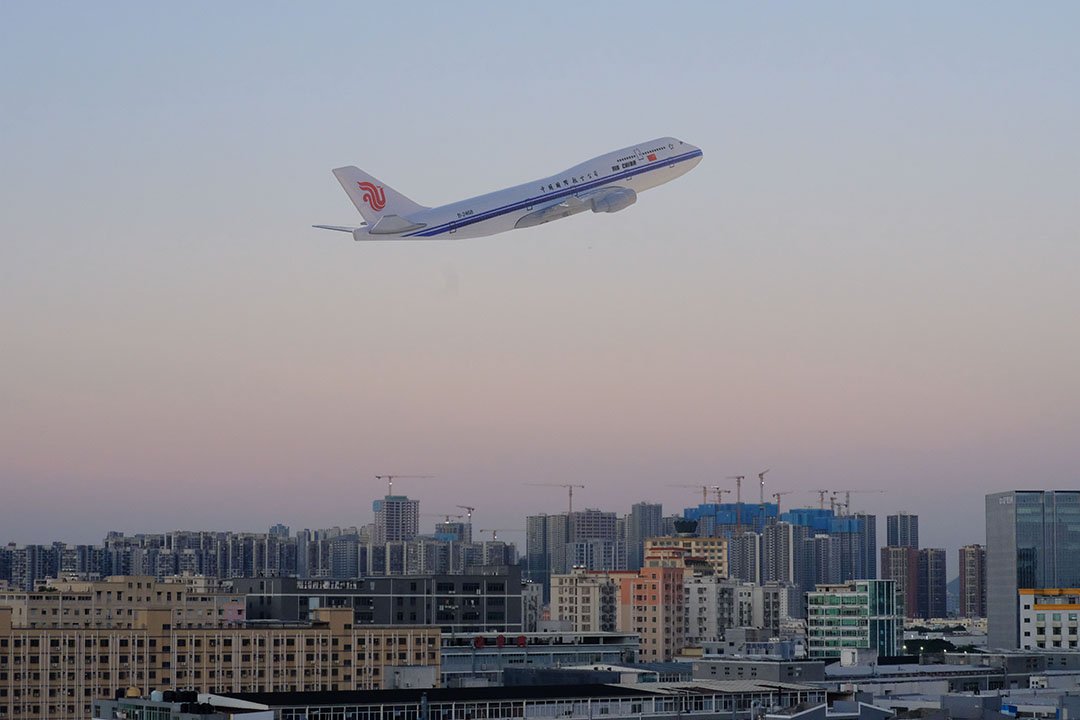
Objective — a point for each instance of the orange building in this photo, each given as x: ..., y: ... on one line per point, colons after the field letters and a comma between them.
x: 651, y: 604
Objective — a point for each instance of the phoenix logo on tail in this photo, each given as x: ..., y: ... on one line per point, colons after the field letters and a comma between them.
x: 373, y: 195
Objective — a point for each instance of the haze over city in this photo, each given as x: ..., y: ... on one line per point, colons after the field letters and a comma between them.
x: 869, y: 282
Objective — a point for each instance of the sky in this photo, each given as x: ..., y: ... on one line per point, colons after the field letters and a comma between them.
x: 870, y: 282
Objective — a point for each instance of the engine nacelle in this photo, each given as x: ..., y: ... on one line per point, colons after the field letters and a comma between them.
x: 614, y: 200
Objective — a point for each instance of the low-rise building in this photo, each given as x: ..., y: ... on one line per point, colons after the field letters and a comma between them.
x: 114, y: 601
x: 1049, y: 619
x: 703, y: 700
x: 56, y: 672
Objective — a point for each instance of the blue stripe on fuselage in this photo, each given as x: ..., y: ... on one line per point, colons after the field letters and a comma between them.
x: 573, y: 190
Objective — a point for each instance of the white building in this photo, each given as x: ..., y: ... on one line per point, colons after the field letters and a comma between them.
x: 589, y: 601
x: 1049, y: 619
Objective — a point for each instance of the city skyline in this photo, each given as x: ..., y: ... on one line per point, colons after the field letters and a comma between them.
x: 869, y: 282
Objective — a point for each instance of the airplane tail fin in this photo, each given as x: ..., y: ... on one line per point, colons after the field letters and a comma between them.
x: 374, y: 198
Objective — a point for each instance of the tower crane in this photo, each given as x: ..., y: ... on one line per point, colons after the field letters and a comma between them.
x: 390, y: 480
x: 495, y: 532
x: 469, y: 511
x: 569, y: 487
x: 776, y: 496
x: 704, y: 491
x: 719, y: 493
x: 761, y: 481
x: 738, y: 501
x: 821, y: 497
x: 847, y: 497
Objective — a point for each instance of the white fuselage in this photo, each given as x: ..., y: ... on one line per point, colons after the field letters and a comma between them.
x: 637, y: 168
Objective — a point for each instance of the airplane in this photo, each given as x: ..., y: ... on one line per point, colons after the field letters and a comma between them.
x: 605, y: 184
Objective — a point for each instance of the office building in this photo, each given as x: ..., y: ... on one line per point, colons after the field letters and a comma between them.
x: 1032, y: 542
x: 56, y: 673
x: 973, y: 581
x: 486, y: 600
x: 902, y: 530
x: 859, y: 615
x: 931, y: 600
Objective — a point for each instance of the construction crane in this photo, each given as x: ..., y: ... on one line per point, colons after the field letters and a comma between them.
x: 847, y: 497
x: 738, y: 501
x: 390, y: 480
x: 468, y: 510
x: 569, y: 487
x: 447, y: 516
x: 761, y: 481
x: 495, y: 532
x: 704, y: 491
x: 821, y: 497
x: 719, y: 493
x: 776, y: 496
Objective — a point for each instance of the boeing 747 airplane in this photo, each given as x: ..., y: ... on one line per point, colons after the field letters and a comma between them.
x: 605, y: 184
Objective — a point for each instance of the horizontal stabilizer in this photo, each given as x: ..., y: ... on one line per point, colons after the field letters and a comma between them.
x: 339, y: 228
x: 393, y: 225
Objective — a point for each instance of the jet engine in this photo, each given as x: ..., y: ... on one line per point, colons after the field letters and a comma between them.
x: 614, y: 200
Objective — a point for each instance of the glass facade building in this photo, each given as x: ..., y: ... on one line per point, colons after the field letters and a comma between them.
x: 1032, y: 542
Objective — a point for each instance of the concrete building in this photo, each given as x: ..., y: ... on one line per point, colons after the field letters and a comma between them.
x: 744, y: 556
x: 973, y: 581
x: 479, y: 659
x: 645, y: 521
x: 800, y: 671
x: 713, y: 550
x: 56, y: 673
x: 715, y: 605
x: 902, y: 530
x: 868, y: 530
x: 588, y: 600
x: 113, y: 603
x: 652, y: 604
x: 689, y: 700
x: 487, y: 600
x: 1049, y: 619
x: 931, y: 600
x: 901, y: 565
x: 1032, y: 541
x: 397, y: 518
x: 860, y: 615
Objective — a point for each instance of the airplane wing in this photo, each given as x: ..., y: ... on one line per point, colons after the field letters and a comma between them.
x: 339, y: 228
x: 609, y: 198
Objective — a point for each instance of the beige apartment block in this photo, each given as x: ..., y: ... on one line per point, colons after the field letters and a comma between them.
x: 113, y: 602
x: 713, y: 550
x: 587, y: 599
x: 53, y: 673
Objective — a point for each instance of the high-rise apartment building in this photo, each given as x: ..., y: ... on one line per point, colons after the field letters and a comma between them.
x: 645, y: 521
x: 973, y: 581
x: 868, y: 530
x: 901, y: 566
x: 1032, y: 542
x: 902, y: 530
x: 744, y: 556
x: 396, y: 518
x: 589, y: 601
x: 859, y: 615
x: 932, y: 582
x: 651, y: 604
